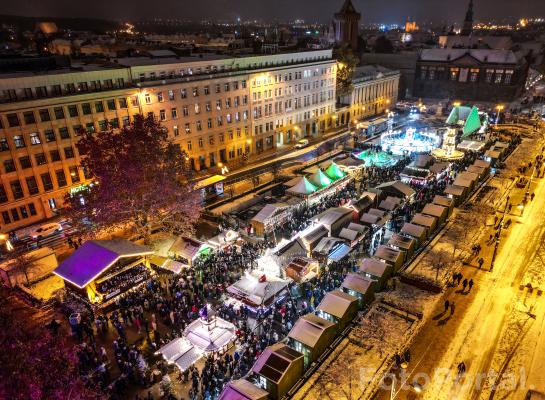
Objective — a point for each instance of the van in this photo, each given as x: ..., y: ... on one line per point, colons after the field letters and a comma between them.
x: 301, y: 143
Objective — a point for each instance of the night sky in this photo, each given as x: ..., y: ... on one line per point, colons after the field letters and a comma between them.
x: 311, y: 10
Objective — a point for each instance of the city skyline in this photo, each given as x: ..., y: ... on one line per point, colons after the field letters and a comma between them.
x: 311, y: 11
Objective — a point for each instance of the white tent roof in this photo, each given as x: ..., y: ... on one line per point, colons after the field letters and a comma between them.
x: 205, y: 339
x: 251, y: 288
x: 268, y: 211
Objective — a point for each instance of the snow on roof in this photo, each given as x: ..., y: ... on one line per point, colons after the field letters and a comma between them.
x: 327, y: 244
x: 168, y: 264
x: 455, y: 190
x: 361, y: 204
x: 413, y: 230
x: 476, y: 170
x: 492, y: 154
x: 399, y: 186
x: 257, y: 292
x: 388, y: 254
x: 403, y: 242
x: 339, y: 252
x: 209, y: 181
x: 472, y: 145
x: 439, y: 167
x: 275, y: 361
x: 303, y: 187
x: 357, y: 227
x: 424, y: 220
x: 309, y: 328
x: 442, y: 201
x: 357, y: 283
x: 96, y: 256
x: 241, y: 389
x: 469, y: 175
x: 377, y: 212
x: 210, y: 337
x: 331, y: 215
x: 315, y: 234
x: 186, y: 247
x: 462, y: 181
x: 482, y: 163
x: 336, y: 303
x: 373, y: 267
x: 434, y: 210
x: 482, y: 55
x: 388, y: 205
x: 371, y: 219
x: 348, y: 234
x: 269, y: 211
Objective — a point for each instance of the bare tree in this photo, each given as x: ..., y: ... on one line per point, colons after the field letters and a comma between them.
x: 439, y: 260
x: 22, y: 263
x: 378, y: 332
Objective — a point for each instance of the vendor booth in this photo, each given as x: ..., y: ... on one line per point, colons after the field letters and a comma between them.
x: 333, y: 219
x: 436, y: 211
x: 455, y: 192
x: 186, y: 250
x: 241, y: 389
x: 427, y: 221
x: 376, y: 270
x: 209, y: 333
x: 339, y: 308
x: 269, y: 217
x: 100, y: 270
x: 360, y: 287
x: 444, y: 201
x: 419, y: 233
x: 302, y: 269
x: 391, y: 256
x: 404, y: 244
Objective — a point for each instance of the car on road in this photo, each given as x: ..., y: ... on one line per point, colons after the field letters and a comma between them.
x: 46, y: 230
x: 301, y: 143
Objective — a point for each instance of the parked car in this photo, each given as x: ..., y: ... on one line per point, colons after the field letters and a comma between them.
x: 46, y: 230
x: 301, y: 143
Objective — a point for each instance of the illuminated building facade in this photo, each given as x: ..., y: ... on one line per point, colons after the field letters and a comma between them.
x: 206, y: 103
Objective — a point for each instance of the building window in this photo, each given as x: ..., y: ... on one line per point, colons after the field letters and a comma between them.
x: 64, y: 133
x: 28, y: 116
x: 489, y: 74
x: 46, y: 181
x: 183, y: 93
x: 13, y: 120
x: 474, y: 74
x: 3, y: 194
x: 206, y: 90
x: 195, y: 91
x: 24, y: 213
x: 55, y: 155
x: 102, y: 125
x: 175, y: 130
x: 74, y: 174
x: 160, y: 98
x: 90, y: 127
x: 174, y: 112
x: 431, y: 75
x: 114, y: 123
x: 4, y: 146
x: 201, y: 143
x: 454, y: 74
x: 73, y: 111
x: 25, y: 162
x: 32, y: 209
x: 17, y: 190
x: 162, y: 115
x: 68, y: 152
x: 197, y: 108
x: 111, y: 104
x: 209, y: 123
x: 99, y: 106
x: 508, y: 76
x: 35, y: 138
x: 32, y: 185
x: 40, y: 159
x: 198, y: 125
x: 218, y: 88
x: 61, y: 177
x: 125, y: 120
x: 49, y: 135
x: 499, y: 76
x: 9, y: 166
x: 187, y: 128
x: 86, y: 109
x: 6, y: 217
x: 122, y: 102
x: 14, y: 214
x: 218, y: 105
x: 59, y: 112
x: 41, y: 91
x: 423, y: 72
x: 171, y: 95
x: 19, y: 141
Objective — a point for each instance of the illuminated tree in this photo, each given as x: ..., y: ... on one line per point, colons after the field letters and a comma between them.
x: 35, y: 364
x: 346, y: 64
x: 140, y: 181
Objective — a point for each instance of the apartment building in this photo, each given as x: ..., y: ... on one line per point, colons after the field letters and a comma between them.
x: 217, y: 109
x: 374, y: 90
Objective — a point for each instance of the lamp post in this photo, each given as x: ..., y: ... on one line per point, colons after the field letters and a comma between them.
x: 499, y: 107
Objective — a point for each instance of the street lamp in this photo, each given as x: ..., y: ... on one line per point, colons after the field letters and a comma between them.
x: 456, y: 104
x: 499, y: 107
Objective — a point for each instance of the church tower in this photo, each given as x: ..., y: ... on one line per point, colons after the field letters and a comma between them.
x: 346, y: 25
x: 468, y: 22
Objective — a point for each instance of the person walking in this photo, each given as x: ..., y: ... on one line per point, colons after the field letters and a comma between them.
x: 447, y: 305
x: 464, y: 284
x: 470, y: 284
x: 481, y: 262
x: 452, y: 308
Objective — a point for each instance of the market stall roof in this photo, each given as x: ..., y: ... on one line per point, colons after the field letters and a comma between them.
x: 371, y: 219
x: 209, y: 181
x: 413, y: 230
x: 275, y: 361
x: 269, y: 211
x: 377, y: 212
x: 424, y: 220
x: 331, y: 215
x: 319, y: 179
x: 334, y: 172
x: 482, y: 163
x: 455, y: 190
x: 168, y: 264
x: 361, y: 204
x: 339, y: 252
x: 223, y: 238
x: 462, y: 181
x: 303, y: 187
x: 397, y: 187
x: 388, y: 254
x: 388, y: 205
x: 443, y: 201
x: 327, y: 245
x: 403, y: 242
x: 292, y: 182
x: 471, y: 176
x: 466, y: 117
x: 94, y: 257
x: 187, y: 247
x: 373, y: 267
x: 371, y: 195
x: 357, y: 283
x: 422, y: 161
x: 314, y: 234
x: 470, y: 145
x: 256, y: 290
x: 492, y: 154
x: 501, y: 145
x: 434, y: 210
x: 210, y: 338
x: 337, y: 303
x: 348, y: 234
x: 357, y: 227
x: 439, y: 167
x: 241, y: 389
x: 309, y: 328
x: 476, y: 170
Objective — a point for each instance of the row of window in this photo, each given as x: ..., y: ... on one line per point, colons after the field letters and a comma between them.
x: 25, y: 162
x: 60, y: 90
x: 17, y: 213
x: 289, y: 76
x: 32, y: 184
x: 45, y: 115
x: 496, y: 76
